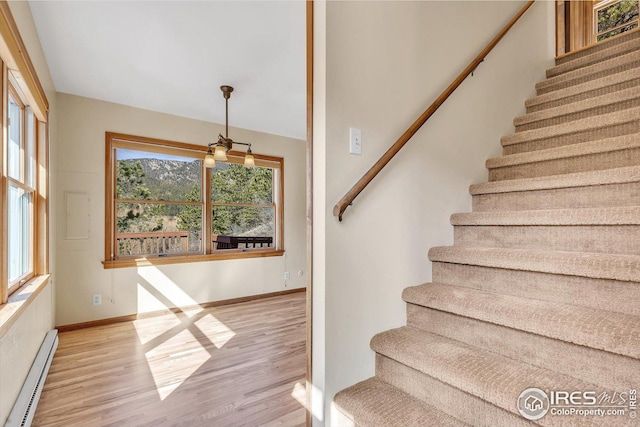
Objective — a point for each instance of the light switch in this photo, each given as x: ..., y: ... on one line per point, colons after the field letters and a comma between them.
x: 355, y: 141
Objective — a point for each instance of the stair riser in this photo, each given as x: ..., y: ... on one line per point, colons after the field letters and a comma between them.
x: 599, y: 294
x: 629, y: 81
x: 600, y: 332
x: 582, y: 114
x: 586, y: 163
x: 450, y: 400
x: 623, y: 38
x: 605, y: 54
x: 627, y: 194
x: 593, y: 366
x: 564, y: 81
x: 593, y: 134
x: 618, y: 239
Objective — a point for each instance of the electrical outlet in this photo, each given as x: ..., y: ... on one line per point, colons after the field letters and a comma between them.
x: 287, y: 275
x: 97, y: 299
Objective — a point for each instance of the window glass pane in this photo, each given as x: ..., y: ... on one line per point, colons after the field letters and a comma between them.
x: 142, y: 175
x: 237, y: 227
x: 20, y: 241
x: 14, y: 131
x: 617, y: 14
x: 157, y: 229
x: 233, y: 183
x: 617, y: 31
x: 30, y: 174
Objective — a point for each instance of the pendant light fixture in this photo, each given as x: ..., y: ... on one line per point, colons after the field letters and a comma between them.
x: 218, y: 150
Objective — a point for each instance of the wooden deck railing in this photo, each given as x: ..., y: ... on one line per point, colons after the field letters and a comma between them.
x: 153, y: 243
x: 175, y: 242
x: 348, y: 198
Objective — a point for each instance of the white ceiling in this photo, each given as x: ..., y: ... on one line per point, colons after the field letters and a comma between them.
x: 172, y: 57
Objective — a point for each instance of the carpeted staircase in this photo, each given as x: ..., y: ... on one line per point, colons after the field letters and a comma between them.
x: 542, y: 286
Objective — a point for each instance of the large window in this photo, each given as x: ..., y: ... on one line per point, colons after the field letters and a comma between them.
x: 165, y: 206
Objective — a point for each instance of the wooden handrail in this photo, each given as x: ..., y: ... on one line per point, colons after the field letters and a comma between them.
x: 348, y: 198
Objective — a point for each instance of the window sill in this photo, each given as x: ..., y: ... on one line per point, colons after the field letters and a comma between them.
x: 182, y: 259
x: 20, y: 300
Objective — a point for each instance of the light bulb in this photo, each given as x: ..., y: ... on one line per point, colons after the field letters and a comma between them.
x: 220, y: 153
x: 249, y: 161
x: 209, y: 160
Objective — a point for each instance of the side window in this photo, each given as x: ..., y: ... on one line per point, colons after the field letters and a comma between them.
x: 21, y: 160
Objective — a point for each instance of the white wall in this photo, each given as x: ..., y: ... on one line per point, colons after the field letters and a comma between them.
x: 80, y: 168
x: 383, y: 64
x: 19, y: 346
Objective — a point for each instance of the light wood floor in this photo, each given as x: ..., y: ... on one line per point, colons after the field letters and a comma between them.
x: 236, y: 365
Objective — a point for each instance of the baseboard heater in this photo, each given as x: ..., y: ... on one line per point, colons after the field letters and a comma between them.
x: 25, y: 407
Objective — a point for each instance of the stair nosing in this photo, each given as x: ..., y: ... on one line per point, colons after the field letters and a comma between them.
x: 617, y: 215
x: 623, y: 175
x: 572, y: 127
x: 592, y: 103
x: 606, y: 145
x: 620, y: 267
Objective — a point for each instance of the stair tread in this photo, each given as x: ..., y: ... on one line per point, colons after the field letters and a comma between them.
x: 576, y: 126
x: 577, y: 179
x: 579, y: 106
x: 592, y: 58
x: 494, y: 378
x: 616, y: 215
x: 616, y: 143
x: 592, y: 85
x: 585, y: 264
x: 373, y: 402
x: 607, y: 370
x: 599, y: 329
x: 583, y: 72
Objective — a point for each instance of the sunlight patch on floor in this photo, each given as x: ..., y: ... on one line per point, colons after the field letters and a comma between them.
x: 185, y: 356
x: 151, y: 328
x: 216, y: 331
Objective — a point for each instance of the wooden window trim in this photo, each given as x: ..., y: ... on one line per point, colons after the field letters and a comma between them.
x: 18, y: 70
x: 115, y: 140
x: 14, y: 54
